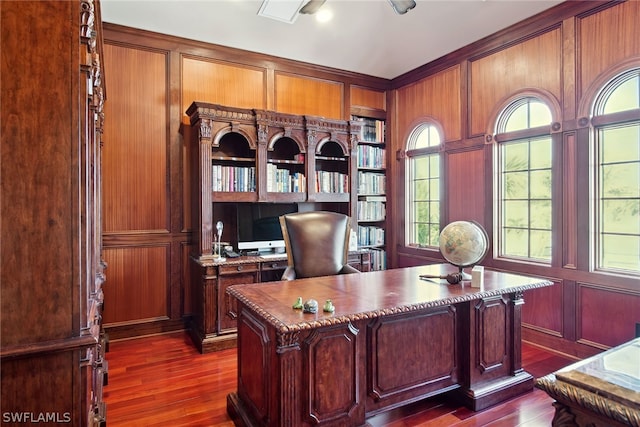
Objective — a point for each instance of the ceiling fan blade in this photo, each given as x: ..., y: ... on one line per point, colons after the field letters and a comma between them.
x: 402, y: 6
x: 312, y: 6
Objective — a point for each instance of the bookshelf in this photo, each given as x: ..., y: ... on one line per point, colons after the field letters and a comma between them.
x: 371, y: 161
x: 263, y: 159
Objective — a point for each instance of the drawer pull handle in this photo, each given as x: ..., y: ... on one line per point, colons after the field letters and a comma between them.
x: 274, y: 265
x: 240, y: 267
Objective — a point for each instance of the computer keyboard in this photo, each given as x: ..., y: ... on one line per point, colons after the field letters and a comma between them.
x: 270, y: 256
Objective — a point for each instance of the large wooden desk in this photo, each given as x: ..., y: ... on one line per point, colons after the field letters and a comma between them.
x: 601, y: 391
x: 393, y: 339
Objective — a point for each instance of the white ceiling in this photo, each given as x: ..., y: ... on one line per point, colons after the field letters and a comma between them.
x: 365, y: 36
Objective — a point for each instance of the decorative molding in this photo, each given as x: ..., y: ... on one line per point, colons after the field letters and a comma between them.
x: 567, y: 394
x: 283, y: 328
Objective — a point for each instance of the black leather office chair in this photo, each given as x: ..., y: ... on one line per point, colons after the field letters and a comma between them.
x: 317, y: 244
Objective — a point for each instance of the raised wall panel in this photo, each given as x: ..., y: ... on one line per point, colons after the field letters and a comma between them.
x: 362, y: 97
x: 466, y: 197
x: 240, y: 86
x: 135, y: 164
x: 138, y: 284
x: 606, y: 316
x: 436, y: 97
x: 187, y: 290
x: 605, y: 39
x: 309, y: 96
x: 535, y: 63
x: 543, y: 308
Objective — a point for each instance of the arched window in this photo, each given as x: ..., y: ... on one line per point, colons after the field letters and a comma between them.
x: 616, y: 174
x: 524, y: 174
x: 423, y: 186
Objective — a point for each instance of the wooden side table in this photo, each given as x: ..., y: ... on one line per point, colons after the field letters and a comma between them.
x: 603, y: 390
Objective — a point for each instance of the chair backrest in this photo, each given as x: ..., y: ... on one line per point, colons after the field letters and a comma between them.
x: 317, y: 242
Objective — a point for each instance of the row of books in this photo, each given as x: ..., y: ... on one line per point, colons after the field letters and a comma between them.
x: 372, y: 130
x: 284, y: 181
x: 371, y: 183
x: 233, y: 178
x: 371, y: 210
x: 378, y: 259
x: 331, y: 182
x: 370, y: 156
x: 370, y: 236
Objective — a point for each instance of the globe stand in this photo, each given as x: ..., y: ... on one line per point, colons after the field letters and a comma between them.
x: 465, y: 276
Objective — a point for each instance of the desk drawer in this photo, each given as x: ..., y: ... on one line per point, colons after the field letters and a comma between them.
x: 274, y: 265
x: 238, y: 268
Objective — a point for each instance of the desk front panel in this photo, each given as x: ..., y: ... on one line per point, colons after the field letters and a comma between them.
x: 410, y: 356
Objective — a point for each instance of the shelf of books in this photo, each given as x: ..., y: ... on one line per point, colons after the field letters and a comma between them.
x: 286, y: 178
x: 372, y: 184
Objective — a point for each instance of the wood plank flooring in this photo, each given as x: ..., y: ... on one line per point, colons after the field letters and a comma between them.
x: 164, y: 381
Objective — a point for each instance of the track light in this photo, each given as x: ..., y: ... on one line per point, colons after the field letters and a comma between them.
x: 402, y: 6
x: 312, y: 7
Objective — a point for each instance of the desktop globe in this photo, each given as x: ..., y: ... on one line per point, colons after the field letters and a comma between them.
x: 463, y: 244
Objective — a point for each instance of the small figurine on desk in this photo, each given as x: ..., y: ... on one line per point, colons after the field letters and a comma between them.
x: 298, y: 304
x: 310, y: 306
x: 328, y: 307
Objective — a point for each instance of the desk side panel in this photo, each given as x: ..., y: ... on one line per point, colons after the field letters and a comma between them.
x: 412, y: 356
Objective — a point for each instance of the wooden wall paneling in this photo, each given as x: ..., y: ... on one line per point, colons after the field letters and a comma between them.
x: 569, y: 202
x: 464, y: 186
x: 569, y: 55
x: 606, y: 38
x: 542, y: 309
x: 135, y: 162
x: 606, y: 317
x: 217, y: 82
x: 534, y: 63
x: 186, y: 288
x: 368, y: 98
x: 296, y: 94
x: 436, y: 96
x: 138, y: 284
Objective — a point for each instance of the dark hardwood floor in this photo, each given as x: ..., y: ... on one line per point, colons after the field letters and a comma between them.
x: 163, y: 381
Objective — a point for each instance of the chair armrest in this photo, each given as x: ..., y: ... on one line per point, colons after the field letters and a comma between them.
x: 289, y: 274
x: 347, y: 269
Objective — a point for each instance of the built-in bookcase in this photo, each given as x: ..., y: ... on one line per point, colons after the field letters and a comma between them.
x: 372, y: 189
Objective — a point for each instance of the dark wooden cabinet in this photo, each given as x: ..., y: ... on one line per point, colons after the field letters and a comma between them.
x: 214, y: 320
x: 233, y: 274
x: 53, y: 363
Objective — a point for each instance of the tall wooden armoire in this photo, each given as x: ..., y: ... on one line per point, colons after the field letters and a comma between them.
x: 52, y: 96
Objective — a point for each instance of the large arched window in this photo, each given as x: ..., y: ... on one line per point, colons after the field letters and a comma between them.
x: 423, y: 186
x: 616, y: 175
x: 524, y: 175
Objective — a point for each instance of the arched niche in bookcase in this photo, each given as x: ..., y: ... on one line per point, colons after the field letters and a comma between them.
x: 221, y: 137
x: 233, y: 166
x: 285, y: 172
x: 330, y: 144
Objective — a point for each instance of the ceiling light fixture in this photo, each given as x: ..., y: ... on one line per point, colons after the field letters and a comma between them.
x: 312, y: 7
x: 402, y: 6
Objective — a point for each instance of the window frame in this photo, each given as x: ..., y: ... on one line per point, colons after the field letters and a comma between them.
x: 501, y: 139
x: 410, y: 155
x: 601, y: 121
